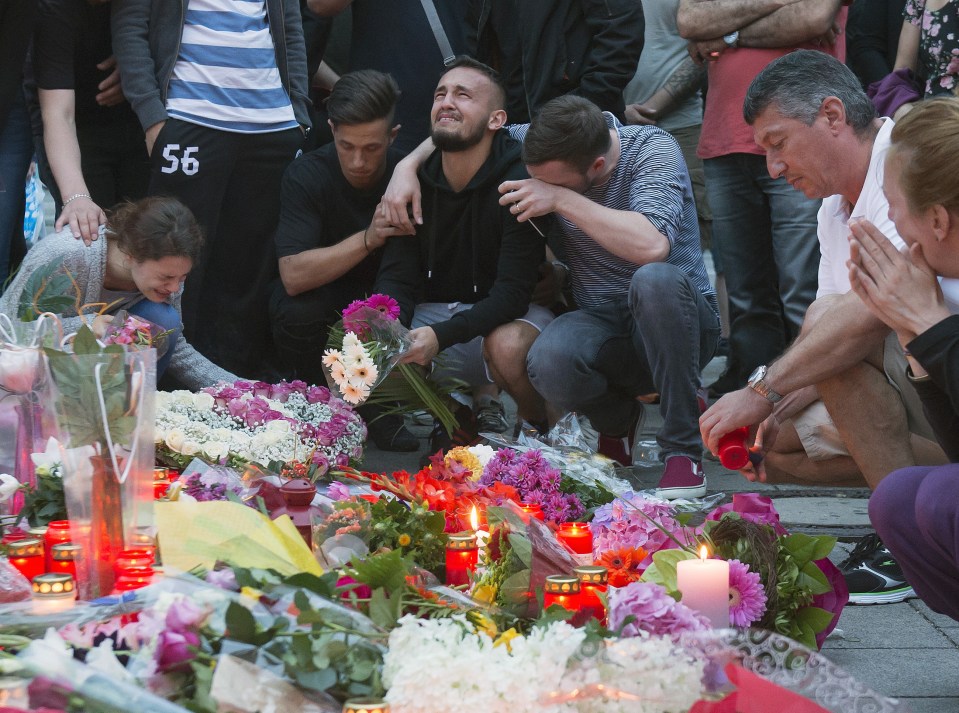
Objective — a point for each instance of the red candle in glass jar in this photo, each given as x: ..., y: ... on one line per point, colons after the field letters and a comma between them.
x: 533, y: 510
x: 13, y: 534
x: 64, y: 559
x: 27, y: 556
x: 593, y: 581
x: 58, y: 533
x: 462, y: 556
x: 564, y: 590
x: 576, y: 536
x: 161, y: 482
x: 134, y: 569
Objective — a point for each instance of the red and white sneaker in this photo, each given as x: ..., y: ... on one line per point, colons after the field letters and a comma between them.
x: 683, y: 478
x: 620, y: 448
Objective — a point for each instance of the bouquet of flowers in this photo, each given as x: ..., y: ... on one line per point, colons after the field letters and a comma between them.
x: 257, y: 422
x: 137, y: 333
x: 365, y: 347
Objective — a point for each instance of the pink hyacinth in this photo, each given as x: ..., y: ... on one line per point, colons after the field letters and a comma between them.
x: 747, y: 598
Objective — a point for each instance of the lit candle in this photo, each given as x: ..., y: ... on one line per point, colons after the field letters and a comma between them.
x: 161, y: 482
x: 27, y: 556
x: 58, y: 533
x: 65, y: 559
x: 134, y: 569
x: 53, y: 592
x: 593, y: 582
x: 533, y: 510
x: 366, y: 705
x: 562, y: 589
x: 704, y: 585
x: 461, y: 557
x: 481, y: 535
x: 578, y: 538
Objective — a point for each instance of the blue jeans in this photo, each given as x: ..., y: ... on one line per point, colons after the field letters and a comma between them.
x: 658, y: 337
x: 16, y: 151
x: 765, y: 232
x: 166, y: 317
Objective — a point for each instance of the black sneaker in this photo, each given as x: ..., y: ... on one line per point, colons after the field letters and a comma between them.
x: 873, y: 576
x: 491, y: 418
x: 389, y: 434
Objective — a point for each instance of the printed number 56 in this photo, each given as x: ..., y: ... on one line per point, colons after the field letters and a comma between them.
x: 187, y: 163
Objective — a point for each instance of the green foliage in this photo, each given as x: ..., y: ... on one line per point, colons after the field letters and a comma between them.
x: 413, y: 529
x: 46, y: 502
x: 50, y: 289
x: 663, y: 569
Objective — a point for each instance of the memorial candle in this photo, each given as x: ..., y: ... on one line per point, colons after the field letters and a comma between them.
x: 592, y: 583
x: 366, y: 705
x: 27, y: 556
x: 562, y: 589
x: 64, y: 559
x: 576, y: 536
x: 462, y: 555
x: 53, y: 592
x: 58, y: 533
x: 533, y: 510
x: 704, y: 585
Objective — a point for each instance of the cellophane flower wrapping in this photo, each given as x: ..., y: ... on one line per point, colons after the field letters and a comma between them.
x: 137, y: 333
x: 363, y: 350
x: 103, y: 401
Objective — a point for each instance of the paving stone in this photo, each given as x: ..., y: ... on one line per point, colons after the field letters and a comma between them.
x: 932, y: 705
x: 941, y: 621
x: 887, y: 625
x: 893, y: 672
x: 824, y: 511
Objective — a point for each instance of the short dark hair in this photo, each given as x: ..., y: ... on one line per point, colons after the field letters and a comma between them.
x: 361, y: 97
x: 463, y: 60
x: 796, y: 84
x: 568, y: 128
x: 154, y: 228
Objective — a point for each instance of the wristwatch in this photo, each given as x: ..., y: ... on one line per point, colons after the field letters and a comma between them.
x: 757, y: 382
x: 732, y: 39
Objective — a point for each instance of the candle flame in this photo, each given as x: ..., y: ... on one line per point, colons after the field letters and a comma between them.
x: 703, y: 553
x: 474, y: 519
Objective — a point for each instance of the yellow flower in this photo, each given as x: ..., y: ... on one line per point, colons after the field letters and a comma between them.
x: 484, y: 625
x: 484, y: 594
x: 506, y: 637
x: 463, y: 456
x: 404, y: 540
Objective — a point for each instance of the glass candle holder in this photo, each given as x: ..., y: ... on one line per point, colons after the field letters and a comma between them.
x: 462, y: 556
x: 533, y: 510
x: 366, y: 705
x: 13, y: 692
x: 64, y: 559
x: 27, y: 556
x: 161, y: 482
x: 593, y: 581
x: 564, y: 590
x: 53, y: 592
x: 577, y: 536
x: 58, y: 533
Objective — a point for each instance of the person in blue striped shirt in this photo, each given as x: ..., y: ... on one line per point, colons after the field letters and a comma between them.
x: 220, y: 89
x: 647, y: 318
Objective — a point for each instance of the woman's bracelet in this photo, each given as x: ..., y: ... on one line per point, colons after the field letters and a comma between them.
x: 72, y: 198
x: 365, y: 245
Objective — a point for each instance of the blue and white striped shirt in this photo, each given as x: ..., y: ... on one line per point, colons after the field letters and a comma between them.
x: 650, y: 178
x: 226, y: 76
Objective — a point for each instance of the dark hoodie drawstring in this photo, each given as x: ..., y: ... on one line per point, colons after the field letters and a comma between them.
x: 431, y: 251
x: 473, y: 241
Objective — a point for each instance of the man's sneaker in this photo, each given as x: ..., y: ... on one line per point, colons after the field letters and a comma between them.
x: 491, y: 417
x: 620, y: 448
x: 683, y: 478
x: 873, y: 576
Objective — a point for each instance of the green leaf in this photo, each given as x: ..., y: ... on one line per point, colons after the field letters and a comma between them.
x: 316, y: 680
x: 812, y: 578
x: 522, y: 548
x: 387, y: 570
x: 663, y: 569
x: 240, y: 623
x: 384, y: 611
x: 305, y: 580
x: 815, y: 618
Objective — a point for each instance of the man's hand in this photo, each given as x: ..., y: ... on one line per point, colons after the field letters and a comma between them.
x: 639, y: 114
x: 402, y: 204
x: 111, y: 93
x: 381, y: 229
x: 707, y: 50
x: 151, y: 135
x: 84, y: 218
x: 755, y: 470
x: 530, y: 198
x: 734, y: 410
x: 425, y: 346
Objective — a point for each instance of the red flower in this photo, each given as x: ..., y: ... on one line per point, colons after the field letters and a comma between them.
x: 623, y: 565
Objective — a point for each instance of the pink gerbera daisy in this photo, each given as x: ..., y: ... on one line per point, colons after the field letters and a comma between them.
x: 384, y: 304
x: 747, y: 599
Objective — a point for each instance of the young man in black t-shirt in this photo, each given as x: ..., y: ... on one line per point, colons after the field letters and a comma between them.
x: 330, y: 235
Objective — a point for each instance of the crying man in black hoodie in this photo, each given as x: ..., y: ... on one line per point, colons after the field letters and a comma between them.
x: 465, y: 279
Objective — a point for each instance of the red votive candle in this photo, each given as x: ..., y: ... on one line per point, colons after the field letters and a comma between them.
x: 58, y: 533
x: 576, y: 536
x: 533, y: 510
x: 462, y: 555
x: 64, y: 559
x: 733, y: 450
x: 161, y: 482
x: 27, y: 556
x: 134, y: 569
x: 593, y: 581
x: 564, y: 590
x: 14, y: 534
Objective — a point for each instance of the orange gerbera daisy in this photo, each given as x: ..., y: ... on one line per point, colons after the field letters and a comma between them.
x: 623, y: 565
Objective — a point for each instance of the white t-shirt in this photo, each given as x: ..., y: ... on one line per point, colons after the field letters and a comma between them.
x: 834, y: 217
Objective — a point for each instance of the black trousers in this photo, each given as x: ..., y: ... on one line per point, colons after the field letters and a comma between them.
x: 231, y: 182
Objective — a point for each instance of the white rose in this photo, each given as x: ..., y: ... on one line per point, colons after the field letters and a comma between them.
x: 214, y: 450
x: 8, y: 486
x: 190, y: 448
x: 203, y: 401
x: 174, y: 439
x: 278, y: 426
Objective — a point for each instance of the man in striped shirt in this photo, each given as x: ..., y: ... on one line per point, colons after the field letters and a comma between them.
x: 647, y: 319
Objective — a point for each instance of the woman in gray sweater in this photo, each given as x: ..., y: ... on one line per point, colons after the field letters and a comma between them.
x: 148, y: 249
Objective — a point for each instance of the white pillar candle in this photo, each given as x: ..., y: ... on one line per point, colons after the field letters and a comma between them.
x: 704, y: 585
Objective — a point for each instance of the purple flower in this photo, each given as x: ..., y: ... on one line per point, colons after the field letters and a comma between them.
x: 747, y: 598
x: 173, y: 652
x: 338, y: 491
x: 223, y: 578
x: 184, y: 614
x: 753, y: 507
x: 244, y: 386
x: 322, y: 463
x: 261, y: 388
x: 654, y: 612
x: 318, y: 395
x: 635, y: 521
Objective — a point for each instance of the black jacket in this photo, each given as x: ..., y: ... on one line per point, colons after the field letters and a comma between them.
x: 469, y: 249
x: 548, y: 48
x: 937, y: 349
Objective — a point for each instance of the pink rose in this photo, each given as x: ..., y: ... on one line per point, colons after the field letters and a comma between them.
x: 174, y: 650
